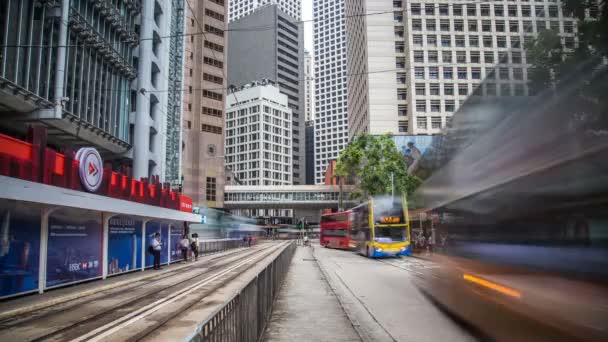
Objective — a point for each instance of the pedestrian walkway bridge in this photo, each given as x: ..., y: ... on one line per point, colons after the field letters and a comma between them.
x: 287, y: 196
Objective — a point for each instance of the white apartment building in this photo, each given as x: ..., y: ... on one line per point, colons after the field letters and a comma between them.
x: 241, y: 8
x: 258, y: 135
x: 419, y: 63
x: 331, y: 123
x: 309, y: 92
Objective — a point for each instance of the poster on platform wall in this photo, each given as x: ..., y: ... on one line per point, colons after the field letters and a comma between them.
x: 177, y: 233
x: 19, y: 247
x: 152, y: 227
x: 124, y: 244
x: 74, y: 246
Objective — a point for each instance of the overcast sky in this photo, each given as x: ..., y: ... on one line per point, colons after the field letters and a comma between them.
x: 307, y: 15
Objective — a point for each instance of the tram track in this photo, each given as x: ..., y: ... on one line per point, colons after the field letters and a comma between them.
x: 114, y: 304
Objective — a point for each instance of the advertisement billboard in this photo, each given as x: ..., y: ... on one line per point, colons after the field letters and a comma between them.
x: 413, y: 147
x: 177, y: 233
x: 74, y: 246
x: 19, y: 247
x: 124, y: 244
x: 153, y: 227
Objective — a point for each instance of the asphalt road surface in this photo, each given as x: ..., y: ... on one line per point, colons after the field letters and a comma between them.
x: 380, y: 298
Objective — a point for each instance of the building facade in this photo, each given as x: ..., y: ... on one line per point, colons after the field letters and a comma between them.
x: 309, y: 87
x: 331, y: 121
x: 258, y: 143
x: 204, y: 102
x: 310, y: 152
x: 276, y: 55
x: 241, y: 8
x: 422, y: 61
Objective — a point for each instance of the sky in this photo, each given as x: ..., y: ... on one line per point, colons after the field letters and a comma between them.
x: 308, y: 29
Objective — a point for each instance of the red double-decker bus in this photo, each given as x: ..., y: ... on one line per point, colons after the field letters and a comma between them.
x: 335, y: 230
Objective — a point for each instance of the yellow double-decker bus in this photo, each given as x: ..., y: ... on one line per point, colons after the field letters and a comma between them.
x: 381, y: 227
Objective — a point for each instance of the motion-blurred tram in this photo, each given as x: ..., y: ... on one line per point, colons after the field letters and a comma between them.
x: 522, y: 219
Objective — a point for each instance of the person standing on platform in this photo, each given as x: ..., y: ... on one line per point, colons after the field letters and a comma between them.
x: 184, y: 244
x: 194, y: 246
x: 156, y: 248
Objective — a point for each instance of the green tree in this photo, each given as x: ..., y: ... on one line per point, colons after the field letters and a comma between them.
x: 372, y: 161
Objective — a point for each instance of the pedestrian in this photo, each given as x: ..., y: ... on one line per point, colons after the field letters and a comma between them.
x: 156, y: 247
x: 194, y: 245
x: 249, y: 240
x: 306, y: 240
x: 244, y: 240
x: 184, y: 244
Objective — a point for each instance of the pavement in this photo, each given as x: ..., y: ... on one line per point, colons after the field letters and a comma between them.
x: 307, y: 308
x: 336, y: 295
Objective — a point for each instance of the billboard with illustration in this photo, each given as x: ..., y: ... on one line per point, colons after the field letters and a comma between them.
x: 124, y: 244
x: 177, y: 233
x: 413, y: 147
x: 19, y: 247
x: 74, y: 246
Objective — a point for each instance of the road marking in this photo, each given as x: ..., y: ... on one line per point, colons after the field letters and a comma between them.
x: 112, y: 327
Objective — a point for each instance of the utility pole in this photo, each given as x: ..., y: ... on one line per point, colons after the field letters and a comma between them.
x: 392, y: 185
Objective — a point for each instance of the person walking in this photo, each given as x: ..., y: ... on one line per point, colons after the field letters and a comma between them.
x: 194, y: 245
x: 184, y: 244
x: 156, y: 247
x: 249, y: 238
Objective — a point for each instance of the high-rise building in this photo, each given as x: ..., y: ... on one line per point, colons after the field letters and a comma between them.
x: 331, y: 122
x: 310, y: 152
x: 276, y: 55
x: 258, y: 130
x: 241, y: 8
x: 309, y: 86
x: 96, y: 75
x: 415, y: 66
x: 204, y: 102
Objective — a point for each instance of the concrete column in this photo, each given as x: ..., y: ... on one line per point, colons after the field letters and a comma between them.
x: 105, y: 221
x: 61, y: 58
x: 44, y: 246
x: 141, y: 142
x: 143, y: 244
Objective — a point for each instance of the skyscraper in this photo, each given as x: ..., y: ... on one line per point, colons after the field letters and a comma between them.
x: 275, y: 54
x: 204, y: 103
x: 101, y: 74
x: 418, y: 64
x: 241, y: 8
x: 331, y: 122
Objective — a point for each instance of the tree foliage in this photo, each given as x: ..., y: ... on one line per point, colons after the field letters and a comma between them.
x: 371, y: 160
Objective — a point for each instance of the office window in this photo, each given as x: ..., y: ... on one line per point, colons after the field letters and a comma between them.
x: 449, y: 106
x: 421, y: 122
x: 402, y: 110
x: 436, y: 122
x: 435, y: 106
x: 420, y: 89
x: 434, y: 89
x: 448, y: 89
x: 448, y: 73
x: 403, y: 126
x: 433, y: 57
x: 446, y: 56
x: 463, y: 89
x: 211, y: 189
x: 446, y: 41
x: 421, y: 106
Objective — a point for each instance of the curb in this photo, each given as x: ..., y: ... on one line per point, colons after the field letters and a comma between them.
x: 37, y: 306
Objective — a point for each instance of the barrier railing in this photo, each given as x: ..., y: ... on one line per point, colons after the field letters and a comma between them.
x: 214, y: 246
x: 244, y: 316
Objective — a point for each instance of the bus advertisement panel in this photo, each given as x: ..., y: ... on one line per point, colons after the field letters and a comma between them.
x: 335, y: 230
x: 381, y: 227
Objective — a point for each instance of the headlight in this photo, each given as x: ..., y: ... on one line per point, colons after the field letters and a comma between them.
x: 378, y: 249
x: 402, y: 249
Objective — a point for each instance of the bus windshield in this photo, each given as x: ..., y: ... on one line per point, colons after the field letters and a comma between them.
x: 388, y: 210
x: 389, y: 234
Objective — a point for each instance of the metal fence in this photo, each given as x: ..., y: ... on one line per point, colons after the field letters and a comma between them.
x: 214, y: 246
x: 244, y: 316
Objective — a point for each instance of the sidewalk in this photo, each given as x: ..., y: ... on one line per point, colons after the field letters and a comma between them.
x: 307, y: 309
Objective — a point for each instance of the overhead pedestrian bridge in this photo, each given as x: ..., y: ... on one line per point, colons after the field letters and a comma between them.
x: 287, y: 197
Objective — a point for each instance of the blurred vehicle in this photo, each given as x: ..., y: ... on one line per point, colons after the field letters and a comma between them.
x: 336, y: 230
x: 380, y: 227
x: 522, y: 217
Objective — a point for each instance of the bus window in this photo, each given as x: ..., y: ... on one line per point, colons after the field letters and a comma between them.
x: 388, y: 211
x: 389, y: 234
x: 335, y: 232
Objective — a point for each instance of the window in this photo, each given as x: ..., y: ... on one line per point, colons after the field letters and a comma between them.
x: 421, y: 122
x: 513, y: 26
x: 212, y: 78
x: 429, y: 9
x: 421, y: 106
x: 415, y: 9
x: 461, y: 57
x: 446, y: 56
x: 457, y: 10
x: 499, y: 10
x: 211, y: 189
x: 444, y: 25
x: 419, y: 73
x: 518, y: 74
x: 501, y: 41
x: 213, y: 46
x: 462, y: 73
x: 403, y: 126
x: 473, y: 41
x: 486, y: 26
x: 433, y: 57
x: 399, y: 47
x: 475, y: 58
x: 214, y: 14
x: 516, y: 57
x: 448, y: 89
x: 500, y: 26
x: 211, y: 111
x: 213, y: 62
x: 436, y: 122
x: 211, y: 129
x: 476, y: 73
x: 460, y: 41
x: 213, y: 95
x: 463, y: 89
x: 402, y: 110
x: 401, y: 78
x: 504, y: 73
x: 420, y: 89
x: 435, y: 106
x: 402, y: 94
x: 489, y: 57
x: 431, y: 40
x: 434, y: 89
x: 446, y: 41
x: 434, y: 73
x: 400, y: 63
x: 214, y: 30
x: 430, y: 25
x: 417, y: 39
x: 471, y: 10
x: 419, y: 56
x: 459, y: 25
x: 487, y: 41
x: 444, y: 9
x: 416, y: 26
x: 448, y: 73
x: 449, y: 106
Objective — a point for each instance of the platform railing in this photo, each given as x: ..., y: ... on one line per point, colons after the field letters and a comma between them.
x: 244, y: 316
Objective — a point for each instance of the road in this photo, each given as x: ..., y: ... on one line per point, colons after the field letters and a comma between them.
x: 141, y: 310
x: 380, y: 298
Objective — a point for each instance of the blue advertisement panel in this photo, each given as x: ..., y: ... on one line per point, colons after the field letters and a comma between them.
x: 19, y: 247
x: 152, y: 227
x: 177, y: 234
x: 412, y: 147
x: 124, y: 244
x: 74, y: 247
